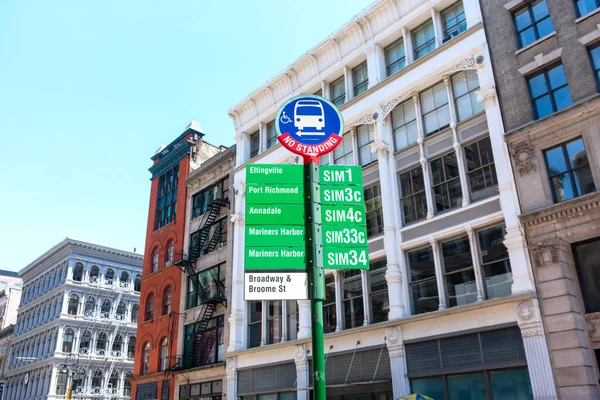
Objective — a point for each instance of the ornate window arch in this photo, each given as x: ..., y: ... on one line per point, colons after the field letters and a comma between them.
x: 78, y: 272
x: 67, y: 344
x: 73, y: 305
x: 94, y: 273
x: 109, y: 276
x: 137, y: 284
x: 105, y: 309
x: 135, y: 311
x: 90, y: 307
x: 131, y: 347
x: 86, y: 342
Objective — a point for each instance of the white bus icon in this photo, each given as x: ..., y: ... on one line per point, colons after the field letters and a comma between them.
x: 309, y: 114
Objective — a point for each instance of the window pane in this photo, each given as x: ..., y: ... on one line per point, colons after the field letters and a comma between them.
x: 423, y: 283
x: 556, y: 160
x: 584, y: 181
x: 588, y: 269
x: 527, y: 36
x: 496, y: 264
x: 431, y: 387
x: 563, y: 187
x: 539, y: 10
x: 522, y: 19
x: 459, y: 84
x: 538, y: 85
x: 562, y: 98
x: 585, y: 6
x: 511, y: 384
x: 545, y: 27
x: 557, y: 77
x: 543, y: 106
x: 595, y: 54
x: 467, y: 387
x: 461, y: 287
x: 457, y: 254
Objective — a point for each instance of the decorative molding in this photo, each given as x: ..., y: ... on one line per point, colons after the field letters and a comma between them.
x: 393, y: 334
x: 487, y: 95
x: 523, y: 154
x: 399, y: 352
x: 238, y: 218
x: 468, y: 63
x: 531, y: 332
x: 563, y: 211
x: 590, y: 37
x: 300, y: 352
x: 526, y: 310
x: 390, y: 105
x: 540, y: 60
x: 238, y: 137
x: 240, y: 188
x: 545, y: 252
x: 296, y: 160
x: 593, y: 323
x: 380, y: 147
x: 364, y: 120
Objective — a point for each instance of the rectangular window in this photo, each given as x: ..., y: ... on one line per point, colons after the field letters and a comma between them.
x: 210, y: 282
x: 254, y: 144
x: 342, y: 154
x: 495, y: 262
x: 204, y: 346
x: 549, y: 91
x: 395, y: 57
x: 424, y: 39
x: 532, y: 21
x: 455, y: 21
x: 446, y: 182
x: 595, y: 56
x: 354, y: 312
x: 569, y: 170
x: 373, y: 209
x: 464, y: 87
x: 329, y: 312
x: 201, y: 201
x: 360, y: 78
x: 413, y: 197
x: 435, y: 109
x: 274, y: 322
x: 404, y: 124
x: 292, y: 320
x: 481, y: 169
x: 271, y: 135
x: 586, y: 6
x: 366, y: 136
x: 459, y: 273
x: 588, y: 270
x: 254, y: 323
x: 166, y: 201
x: 338, y: 91
x: 423, y: 284
x: 380, y: 303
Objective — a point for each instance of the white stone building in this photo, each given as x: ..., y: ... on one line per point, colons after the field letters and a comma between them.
x: 76, y: 324
x: 448, y: 307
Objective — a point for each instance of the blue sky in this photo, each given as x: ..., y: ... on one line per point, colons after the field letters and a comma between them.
x: 90, y: 89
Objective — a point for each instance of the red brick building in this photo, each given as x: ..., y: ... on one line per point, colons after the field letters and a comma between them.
x: 159, y: 320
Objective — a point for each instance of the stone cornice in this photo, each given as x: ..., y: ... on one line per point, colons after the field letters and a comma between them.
x: 568, y: 209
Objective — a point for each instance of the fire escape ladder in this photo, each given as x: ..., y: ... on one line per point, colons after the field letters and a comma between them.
x: 199, y: 238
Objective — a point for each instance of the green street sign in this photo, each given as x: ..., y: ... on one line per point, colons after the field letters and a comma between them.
x: 274, y: 235
x: 285, y: 214
x: 274, y: 193
x: 342, y: 215
x: 343, y: 236
x: 275, y: 258
x: 345, y: 258
x: 341, y: 175
x: 274, y: 173
x: 342, y: 195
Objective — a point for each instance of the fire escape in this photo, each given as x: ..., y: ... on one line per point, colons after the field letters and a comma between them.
x: 211, y: 293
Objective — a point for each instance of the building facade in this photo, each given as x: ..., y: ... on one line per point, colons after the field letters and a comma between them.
x: 162, y: 279
x: 76, y: 324
x: 548, y: 52
x: 448, y: 307
x: 207, y: 262
x: 10, y: 297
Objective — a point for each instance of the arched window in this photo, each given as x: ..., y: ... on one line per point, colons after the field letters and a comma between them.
x: 117, y: 345
x: 146, y: 358
x: 109, y: 276
x: 67, y: 345
x: 73, y: 305
x: 105, y: 309
x: 84, y: 344
x: 137, y: 284
x: 127, y: 384
x: 97, y: 382
x: 78, y: 272
x: 124, y: 279
x: 78, y: 380
x: 61, y: 383
x: 170, y: 251
x: 135, y: 310
x: 121, y: 311
x: 164, y: 354
x: 90, y: 306
x: 131, y: 347
x: 155, y: 259
x: 166, y: 300
x: 101, y: 343
x: 149, y: 307
x: 94, y: 274
x: 113, y: 383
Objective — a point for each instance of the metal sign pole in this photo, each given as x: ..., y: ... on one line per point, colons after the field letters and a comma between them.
x: 316, y: 277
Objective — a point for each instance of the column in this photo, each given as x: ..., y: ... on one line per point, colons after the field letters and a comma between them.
x: 237, y: 338
x: 375, y: 64
x: 325, y: 90
x: 479, y: 278
x: 242, y: 141
x: 53, y: 377
x: 284, y: 325
x: 77, y: 341
x: 395, y: 347
x: 439, y: 273
x: 472, y: 13
x: 262, y: 135
x: 339, y: 306
x: 302, y: 370
x: 437, y: 27
x: 462, y: 169
x: 351, y: 135
x: 304, y: 325
x: 121, y: 383
x: 70, y: 270
x: 408, y: 45
x: 536, y: 350
x: 423, y: 159
x: 231, y: 376
x: 514, y: 240
x: 348, y: 83
x: 393, y: 275
x: 65, y: 303
x: 364, y: 278
x: 263, y: 322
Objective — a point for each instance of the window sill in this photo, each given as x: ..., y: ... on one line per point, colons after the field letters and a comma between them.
x: 586, y: 16
x: 530, y: 45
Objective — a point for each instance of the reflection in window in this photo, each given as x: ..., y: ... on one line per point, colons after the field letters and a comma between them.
x: 366, y: 136
x: 435, y: 109
x: 423, y: 284
x: 166, y: 201
x: 254, y: 144
x: 464, y: 87
x: 481, y: 169
x: 459, y: 272
x: 329, y: 312
x: 271, y: 134
x: 395, y: 57
x: 342, y: 154
x: 374, y: 210
x: 293, y: 322
x: 586, y: 6
x: 424, y: 39
x: 549, y: 91
x: 588, y: 270
x: 274, y: 322
x: 354, y: 313
x: 413, y: 197
x: 146, y: 358
x: 595, y: 56
x: 254, y: 323
x: 495, y: 262
x: 532, y: 22
x: 446, y: 182
x: 380, y: 304
x: 569, y: 170
x: 404, y: 124
x: 455, y: 21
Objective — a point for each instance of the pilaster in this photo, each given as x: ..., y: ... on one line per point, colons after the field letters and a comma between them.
x: 437, y: 260
x: 339, y: 306
x: 348, y: 83
x: 304, y: 328
x: 408, y: 46
x: 231, y: 376
x: 437, y: 26
x: 237, y: 339
x: 395, y: 346
x: 302, y: 370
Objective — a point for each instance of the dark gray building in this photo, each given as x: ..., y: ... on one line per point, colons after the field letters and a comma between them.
x: 546, y: 58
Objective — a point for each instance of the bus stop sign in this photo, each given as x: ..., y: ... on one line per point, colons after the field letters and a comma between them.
x: 309, y: 126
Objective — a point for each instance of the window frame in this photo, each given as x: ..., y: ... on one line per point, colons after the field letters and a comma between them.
x: 341, y: 82
x: 350, y: 276
x: 491, y: 166
x: 435, y: 110
x: 534, y: 23
x: 446, y: 182
x: 578, y: 11
x: 596, y: 69
x: 271, y: 134
x: 257, y: 322
x: 413, y: 196
x: 167, y: 299
x: 273, y: 321
x: 370, y: 133
x: 377, y: 210
x: 67, y: 346
x: 449, y: 32
x: 360, y: 87
x: 155, y: 259
x: 149, y: 307
x: 163, y: 360
x: 254, y: 144
x: 468, y: 94
x: 461, y: 271
x: 428, y: 43
x: 402, y: 108
x: 389, y: 66
x: 426, y: 280
x: 166, y: 200
x: 169, y: 252
x: 349, y: 155
x: 549, y: 90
